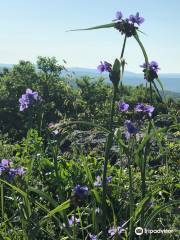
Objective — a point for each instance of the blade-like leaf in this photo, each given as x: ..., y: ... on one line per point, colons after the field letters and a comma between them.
x: 160, y: 84
x: 109, y: 25
x: 24, y: 194
x: 59, y: 208
x: 157, y: 90
x: 43, y: 195
x: 142, y: 47
x: 158, y: 210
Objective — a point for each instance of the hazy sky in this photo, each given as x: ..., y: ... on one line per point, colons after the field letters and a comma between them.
x: 29, y: 28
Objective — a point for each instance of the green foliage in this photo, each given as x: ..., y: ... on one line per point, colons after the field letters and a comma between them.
x: 41, y: 200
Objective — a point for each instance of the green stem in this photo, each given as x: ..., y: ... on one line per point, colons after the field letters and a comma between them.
x: 150, y: 85
x: 131, y: 201
x: 129, y: 154
x: 2, y: 201
x: 146, y: 60
x: 123, y: 48
x: 142, y: 48
x: 107, y: 150
x: 143, y: 174
x: 122, y: 54
x: 55, y: 153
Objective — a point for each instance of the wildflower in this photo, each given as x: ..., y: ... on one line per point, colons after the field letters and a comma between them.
x: 109, y: 179
x: 80, y: 191
x: 131, y: 129
x: 115, y: 230
x: 150, y: 70
x: 123, y: 107
x: 136, y: 19
x: 28, y: 99
x: 5, y: 163
x: 119, y: 16
x: 17, y: 171
x: 104, y: 67
x: 145, y: 109
x: 153, y: 66
x: 98, y: 181
x: 92, y: 237
x: 73, y: 220
x: 5, y: 167
x: 125, y: 27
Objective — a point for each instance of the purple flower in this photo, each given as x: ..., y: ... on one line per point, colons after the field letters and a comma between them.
x: 119, y: 16
x: 73, y: 220
x: 9, y: 171
x: 17, y: 171
x: 123, y: 107
x: 144, y: 108
x: 136, y: 19
x: 131, y: 129
x: 28, y: 99
x: 153, y: 66
x: 104, y: 67
x: 115, y: 230
x: 92, y: 237
x: 109, y: 179
x: 98, y: 181
x: 5, y: 163
x: 80, y: 191
x: 149, y: 109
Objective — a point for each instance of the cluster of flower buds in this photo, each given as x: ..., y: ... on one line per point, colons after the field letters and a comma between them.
x: 129, y: 25
x: 150, y: 70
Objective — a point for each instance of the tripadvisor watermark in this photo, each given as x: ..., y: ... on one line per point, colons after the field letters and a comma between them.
x: 139, y: 231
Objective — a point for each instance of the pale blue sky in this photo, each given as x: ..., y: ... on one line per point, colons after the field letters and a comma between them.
x: 29, y: 28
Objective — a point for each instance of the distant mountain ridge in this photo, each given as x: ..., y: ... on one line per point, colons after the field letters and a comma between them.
x: 171, y: 81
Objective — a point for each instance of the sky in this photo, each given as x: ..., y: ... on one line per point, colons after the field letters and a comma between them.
x: 31, y: 28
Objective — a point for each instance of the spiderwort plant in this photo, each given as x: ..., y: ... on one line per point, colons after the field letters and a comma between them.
x: 129, y: 27
x: 27, y: 101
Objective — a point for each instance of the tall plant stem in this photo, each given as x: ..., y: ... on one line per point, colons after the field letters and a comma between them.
x: 108, y: 147
x: 131, y: 200
x: 143, y: 174
x: 122, y: 54
x: 123, y: 47
x: 151, y: 99
x: 146, y: 61
x: 107, y: 152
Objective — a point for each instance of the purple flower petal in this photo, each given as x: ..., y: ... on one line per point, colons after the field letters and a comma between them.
x: 136, y: 19
x: 104, y: 67
x: 123, y: 107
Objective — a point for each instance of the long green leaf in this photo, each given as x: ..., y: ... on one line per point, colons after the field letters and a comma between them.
x: 59, y: 208
x: 109, y: 25
x: 142, y: 47
x: 157, y: 90
x: 160, y: 83
x: 24, y: 194
x: 158, y: 210
x: 43, y: 195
